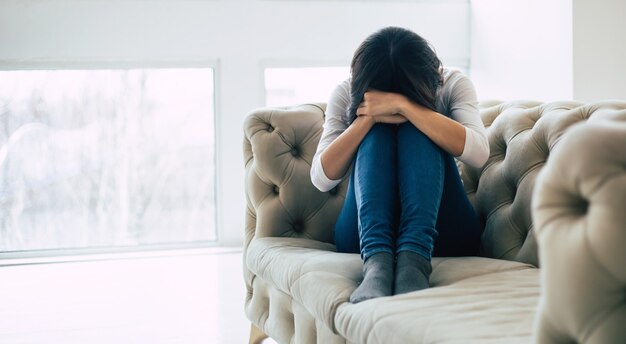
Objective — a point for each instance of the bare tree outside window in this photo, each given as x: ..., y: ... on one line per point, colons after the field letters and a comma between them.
x: 101, y: 158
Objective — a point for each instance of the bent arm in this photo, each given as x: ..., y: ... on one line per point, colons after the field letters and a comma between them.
x: 336, y: 151
x: 339, y: 142
x: 443, y: 131
x: 462, y: 134
x: 336, y: 159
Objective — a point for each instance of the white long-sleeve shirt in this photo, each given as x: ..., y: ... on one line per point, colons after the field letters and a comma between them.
x: 455, y: 98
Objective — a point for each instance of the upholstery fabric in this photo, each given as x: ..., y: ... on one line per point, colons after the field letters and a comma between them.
x: 493, y: 308
x: 579, y: 209
x: 284, y: 294
x: 278, y: 149
x: 521, y: 135
x: 279, y: 315
x: 320, y: 279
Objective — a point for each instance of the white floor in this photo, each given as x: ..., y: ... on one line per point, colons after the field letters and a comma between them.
x: 177, y: 299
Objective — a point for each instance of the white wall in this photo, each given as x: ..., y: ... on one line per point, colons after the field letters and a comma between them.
x: 599, y: 49
x: 241, y: 35
x: 522, y: 49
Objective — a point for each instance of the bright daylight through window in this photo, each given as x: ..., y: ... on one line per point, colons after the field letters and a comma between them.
x: 291, y: 86
x: 102, y: 158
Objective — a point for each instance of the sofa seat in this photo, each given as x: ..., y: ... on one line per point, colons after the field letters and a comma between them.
x: 497, y: 307
x: 470, y: 298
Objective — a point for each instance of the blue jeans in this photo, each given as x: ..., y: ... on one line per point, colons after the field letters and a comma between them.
x: 405, y: 193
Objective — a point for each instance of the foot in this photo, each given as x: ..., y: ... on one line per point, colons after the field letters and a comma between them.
x: 412, y: 273
x: 377, y: 278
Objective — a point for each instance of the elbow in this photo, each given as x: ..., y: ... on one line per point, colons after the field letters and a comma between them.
x: 482, y: 155
x: 320, y: 186
x: 478, y: 156
x: 482, y: 159
x: 317, y: 177
x: 476, y: 150
x: 318, y: 183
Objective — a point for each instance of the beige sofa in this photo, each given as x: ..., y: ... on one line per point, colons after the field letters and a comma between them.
x: 573, y: 204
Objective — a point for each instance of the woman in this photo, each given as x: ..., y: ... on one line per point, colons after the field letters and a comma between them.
x: 398, y: 122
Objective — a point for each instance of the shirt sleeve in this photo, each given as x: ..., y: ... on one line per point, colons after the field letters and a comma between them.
x: 335, y: 123
x: 463, y: 106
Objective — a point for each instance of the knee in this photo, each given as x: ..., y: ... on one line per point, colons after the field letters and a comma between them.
x: 408, y: 134
x: 381, y: 132
x: 379, y: 141
x: 407, y: 128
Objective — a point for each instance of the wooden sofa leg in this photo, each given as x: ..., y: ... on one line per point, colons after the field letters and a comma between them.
x: 256, y: 335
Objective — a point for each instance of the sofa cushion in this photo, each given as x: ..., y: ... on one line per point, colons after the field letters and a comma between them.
x: 497, y: 307
x: 287, y: 263
x: 321, y: 279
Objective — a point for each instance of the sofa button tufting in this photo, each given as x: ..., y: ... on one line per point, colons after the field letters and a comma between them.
x: 582, y: 206
x: 297, y: 227
x: 270, y: 128
x: 275, y: 189
x: 294, y: 151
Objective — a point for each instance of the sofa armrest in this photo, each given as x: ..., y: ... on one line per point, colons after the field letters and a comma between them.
x: 279, y: 145
x: 579, y: 211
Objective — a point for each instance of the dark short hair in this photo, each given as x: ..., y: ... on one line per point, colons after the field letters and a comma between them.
x: 395, y: 60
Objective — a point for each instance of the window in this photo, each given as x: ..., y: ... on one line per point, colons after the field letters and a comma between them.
x: 290, y: 86
x: 102, y: 158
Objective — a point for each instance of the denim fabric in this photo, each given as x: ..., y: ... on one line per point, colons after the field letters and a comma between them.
x: 405, y: 193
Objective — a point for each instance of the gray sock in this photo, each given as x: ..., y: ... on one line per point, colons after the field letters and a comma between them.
x: 377, y: 278
x: 412, y: 272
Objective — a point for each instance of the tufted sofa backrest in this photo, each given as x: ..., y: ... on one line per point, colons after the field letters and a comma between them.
x: 280, y: 143
x: 521, y: 136
x: 282, y: 202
